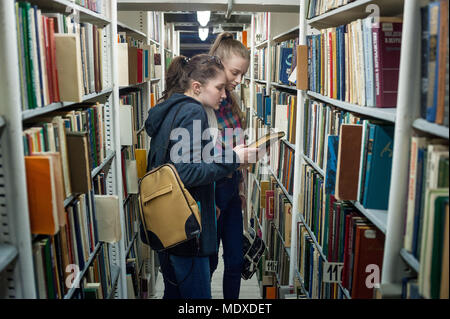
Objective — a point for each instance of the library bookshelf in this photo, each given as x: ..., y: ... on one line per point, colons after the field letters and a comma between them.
x: 19, y: 272
x: 398, y: 264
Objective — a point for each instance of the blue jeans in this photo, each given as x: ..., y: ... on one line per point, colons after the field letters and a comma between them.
x: 185, y: 277
x: 229, y: 230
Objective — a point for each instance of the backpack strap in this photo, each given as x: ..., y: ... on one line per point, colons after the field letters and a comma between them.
x: 171, y: 128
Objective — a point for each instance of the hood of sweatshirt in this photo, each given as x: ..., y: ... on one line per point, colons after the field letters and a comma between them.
x: 158, y: 113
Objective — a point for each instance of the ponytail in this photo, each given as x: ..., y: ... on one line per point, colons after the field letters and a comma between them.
x: 174, y: 75
x: 225, y: 45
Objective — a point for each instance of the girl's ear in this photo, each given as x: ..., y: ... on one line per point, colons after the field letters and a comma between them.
x: 196, y: 87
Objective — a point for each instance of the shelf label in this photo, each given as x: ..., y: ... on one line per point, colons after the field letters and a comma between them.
x: 271, y: 266
x: 332, y: 272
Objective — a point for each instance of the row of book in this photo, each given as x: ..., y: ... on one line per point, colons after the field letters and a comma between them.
x: 260, y: 64
x: 261, y: 27
x: 355, y: 153
x: 59, y: 60
x: 276, y: 207
x: 144, y: 61
x: 94, y: 5
x: 354, y: 243
x: 155, y: 25
x: 284, y: 114
x: 134, y: 97
x: 318, y: 7
x: 434, y: 63
x: 426, y: 224
x: 59, y: 258
x: 284, y: 168
x: 134, y: 167
x: 358, y: 62
x: 48, y: 134
x: 276, y: 252
x: 284, y: 60
x: 277, y: 110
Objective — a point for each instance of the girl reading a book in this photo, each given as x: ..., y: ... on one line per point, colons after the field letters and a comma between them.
x: 194, y: 88
x: 230, y: 190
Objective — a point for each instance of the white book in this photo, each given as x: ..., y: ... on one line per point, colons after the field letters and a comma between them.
x: 368, y: 61
x: 122, y: 57
x: 107, y: 209
x: 132, y: 178
x: 90, y: 55
x: 126, y: 124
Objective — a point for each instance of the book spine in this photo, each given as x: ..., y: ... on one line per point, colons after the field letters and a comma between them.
x: 377, y: 66
x: 433, y: 58
x: 443, y: 53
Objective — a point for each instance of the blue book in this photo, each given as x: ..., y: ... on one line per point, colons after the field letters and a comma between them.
x: 420, y: 185
x: 330, y: 172
x: 424, y: 62
x: 146, y: 53
x: 285, y: 64
x: 259, y: 104
x: 267, y: 110
x: 433, y: 60
x: 311, y: 269
x: 378, y: 167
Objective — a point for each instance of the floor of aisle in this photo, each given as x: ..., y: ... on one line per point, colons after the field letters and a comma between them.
x: 249, y: 288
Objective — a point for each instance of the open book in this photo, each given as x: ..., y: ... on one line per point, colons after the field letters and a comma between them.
x: 265, y: 140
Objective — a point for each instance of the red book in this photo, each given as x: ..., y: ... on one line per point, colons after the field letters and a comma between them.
x: 369, y: 243
x: 330, y: 63
x: 346, y: 244
x: 52, y: 50
x: 330, y: 227
x: 48, y: 58
x: 139, y: 70
x: 386, y: 58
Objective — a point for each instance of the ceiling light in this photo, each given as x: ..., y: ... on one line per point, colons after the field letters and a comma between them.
x: 218, y: 29
x: 203, y: 17
x: 203, y: 33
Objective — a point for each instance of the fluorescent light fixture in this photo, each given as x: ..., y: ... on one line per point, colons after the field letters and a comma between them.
x: 203, y: 33
x: 218, y: 29
x: 203, y: 17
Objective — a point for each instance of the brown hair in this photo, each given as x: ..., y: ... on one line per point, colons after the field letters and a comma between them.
x: 225, y: 46
x: 182, y: 71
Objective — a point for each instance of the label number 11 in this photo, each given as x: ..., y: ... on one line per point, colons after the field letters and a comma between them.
x: 333, y: 272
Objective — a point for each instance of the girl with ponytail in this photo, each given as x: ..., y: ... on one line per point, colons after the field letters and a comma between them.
x: 194, y: 88
x: 230, y: 191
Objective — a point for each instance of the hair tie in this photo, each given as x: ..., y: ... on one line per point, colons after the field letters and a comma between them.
x: 227, y: 36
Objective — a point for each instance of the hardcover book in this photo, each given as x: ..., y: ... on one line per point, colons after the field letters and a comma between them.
x: 347, y: 173
x: 386, y: 49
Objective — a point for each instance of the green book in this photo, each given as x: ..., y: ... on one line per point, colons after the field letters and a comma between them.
x: 438, y: 240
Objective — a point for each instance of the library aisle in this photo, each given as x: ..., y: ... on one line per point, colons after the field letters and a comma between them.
x: 351, y: 203
x: 249, y: 288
